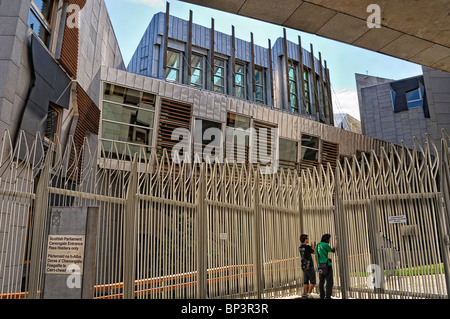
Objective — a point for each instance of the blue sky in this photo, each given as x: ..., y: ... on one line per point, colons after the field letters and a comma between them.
x: 130, y: 19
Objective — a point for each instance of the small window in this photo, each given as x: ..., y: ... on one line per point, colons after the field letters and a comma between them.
x: 240, y: 81
x: 307, y: 90
x: 40, y: 18
x: 310, y: 148
x: 288, y: 153
x: 415, y: 97
x: 197, y: 71
x: 127, y: 118
x: 209, y: 134
x: 173, y: 66
x: 260, y: 82
x: 52, y: 124
x: 238, y: 138
x: 293, y: 86
x: 219, y: 76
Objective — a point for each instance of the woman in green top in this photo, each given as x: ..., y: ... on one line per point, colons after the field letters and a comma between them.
x: 325, y: 270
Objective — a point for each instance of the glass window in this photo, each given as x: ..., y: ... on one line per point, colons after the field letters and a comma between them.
x: 238, y: 138
x: 307, y: 90
x: 219, y: 76
x: 288, y: 153
x: 208, y: 140
x: 173, y: 66
x: 293, y: 86
x: 240, y: 81
x: 52, y: 123
x: 127, y: 119
x: 415, y: 97
x: 40, y: 18
x: 197, y: 71
x: 310, y: 148
x: 260, y: 92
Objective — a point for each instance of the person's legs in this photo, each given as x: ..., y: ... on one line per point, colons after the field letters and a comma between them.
x: 329, y: 279
x: 312, y: 280
x: 321, y: 286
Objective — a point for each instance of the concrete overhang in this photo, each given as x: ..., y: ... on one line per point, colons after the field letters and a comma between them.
x: 413, y: 30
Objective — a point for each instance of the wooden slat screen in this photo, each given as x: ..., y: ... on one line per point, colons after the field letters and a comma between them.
x: 330, y: 154
x: 173, y: 115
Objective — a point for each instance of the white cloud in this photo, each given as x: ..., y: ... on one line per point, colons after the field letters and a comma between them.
x: 346, y: 101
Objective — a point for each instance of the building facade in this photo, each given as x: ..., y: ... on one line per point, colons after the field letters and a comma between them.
x: 201, y: 57
x: 64, y: 79
x: 347, y: 122
x: 400, y: 110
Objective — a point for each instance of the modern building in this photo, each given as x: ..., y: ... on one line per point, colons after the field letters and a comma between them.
x: 347, y: 122
x: 400, y: 110
x: 63, y: 75
x: 210, y: 60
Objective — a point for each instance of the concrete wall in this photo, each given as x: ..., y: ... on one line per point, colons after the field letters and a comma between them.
x: 14, y: 66
x: 438, y: 94
x: 379, y: 120
x: 98, y: 47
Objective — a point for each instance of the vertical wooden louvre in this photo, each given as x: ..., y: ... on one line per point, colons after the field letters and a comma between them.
x: 330, y: 154
x: 88, y: 121
x: 264, y: 143
x: 174, y: 115
x: 70, y: 42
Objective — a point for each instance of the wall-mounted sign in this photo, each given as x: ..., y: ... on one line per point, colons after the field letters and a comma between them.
x: 401, y: 219
x: 64, y: 251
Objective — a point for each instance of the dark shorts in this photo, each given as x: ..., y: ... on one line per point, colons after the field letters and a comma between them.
x: 309, y: 276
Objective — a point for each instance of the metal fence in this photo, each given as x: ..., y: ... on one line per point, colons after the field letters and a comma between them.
x: 209, y: 230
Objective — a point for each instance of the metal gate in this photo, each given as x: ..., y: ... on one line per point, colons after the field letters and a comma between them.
x: 394, y: 225
x: 174, y: 230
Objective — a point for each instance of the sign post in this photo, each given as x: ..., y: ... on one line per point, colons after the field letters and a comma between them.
x: 70, y: 258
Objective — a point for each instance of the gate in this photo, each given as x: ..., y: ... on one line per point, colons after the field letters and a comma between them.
x: 209, y: 230
x: 393, y: 213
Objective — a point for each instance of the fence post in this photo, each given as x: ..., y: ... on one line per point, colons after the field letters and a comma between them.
x: 257, y: 256
x: 341, y: 248
x: 444, y: 213
x: 129, y: 261
x: 40, y: 210
x: 202, y: 270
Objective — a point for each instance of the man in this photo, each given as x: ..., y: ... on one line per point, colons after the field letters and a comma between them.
x: 309, y: 275
x: 324, y: 263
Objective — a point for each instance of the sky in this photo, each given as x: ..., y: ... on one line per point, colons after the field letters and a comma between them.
x: 130, y: 19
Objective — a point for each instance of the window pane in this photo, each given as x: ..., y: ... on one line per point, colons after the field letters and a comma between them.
x: 238, y: 121
x: 125, y: 133
x: 127, y: 115
x: 51, y: 124
x: 310, y: 141
x: 413, y: 95
x: 288, y: 150
x: 239, y: 79
x: 310, y: 154
x: 37, y: 27
x: 218, y: 81
x: 171, y: 75
x: 197, y: 61
x: 218, y: 71
x: 196, y: 77
x: 240, y: 92
x: 46, y: 7
x: 173, y: 59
